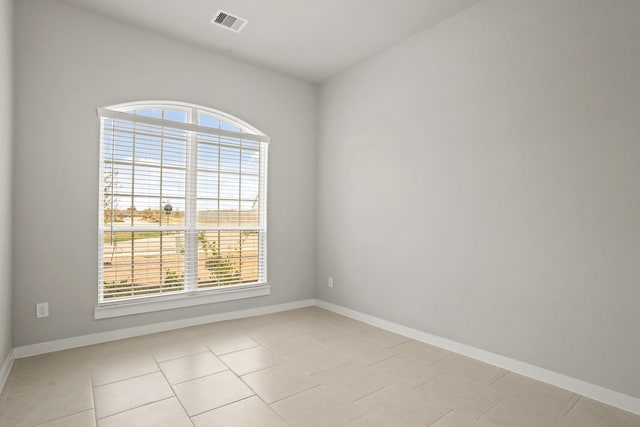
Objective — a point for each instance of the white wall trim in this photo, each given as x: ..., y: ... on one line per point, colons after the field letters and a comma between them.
x: 592, y: 391
x: 6, y: 368
x: 100, y: 337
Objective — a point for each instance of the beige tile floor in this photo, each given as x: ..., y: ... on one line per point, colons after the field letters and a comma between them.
x: 306, y: 367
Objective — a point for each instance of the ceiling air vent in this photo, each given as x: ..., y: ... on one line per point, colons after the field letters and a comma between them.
x: 228, y: 21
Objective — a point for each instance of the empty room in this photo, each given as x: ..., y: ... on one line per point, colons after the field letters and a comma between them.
x: 320, y: 213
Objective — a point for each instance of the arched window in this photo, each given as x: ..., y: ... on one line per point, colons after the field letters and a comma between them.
x: 182, y: 204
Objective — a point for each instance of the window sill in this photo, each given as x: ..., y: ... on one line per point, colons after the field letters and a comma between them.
x: 148, y: 305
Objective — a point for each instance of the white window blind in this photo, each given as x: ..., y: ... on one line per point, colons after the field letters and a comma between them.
x: 182, y: 202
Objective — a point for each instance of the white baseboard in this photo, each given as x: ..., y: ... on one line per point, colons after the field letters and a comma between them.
x: 592, y: 391
x: 83, y: 340
x: 5, y: 369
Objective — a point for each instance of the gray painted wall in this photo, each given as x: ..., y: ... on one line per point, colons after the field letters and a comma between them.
x: 68, y: 63
x: 481, y: 182
x: 6, y: 137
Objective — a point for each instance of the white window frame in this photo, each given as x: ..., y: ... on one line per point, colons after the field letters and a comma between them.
x: 191, y: 295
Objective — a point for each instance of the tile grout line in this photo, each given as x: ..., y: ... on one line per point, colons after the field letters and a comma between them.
x: 93, y: 399
x: 147, y: 349
x: 295, y: 394
x: 255, y: 393
x: 259, y: 369
x: 228, y: 369
x: 322, y: 371
x: 219, y: 407
x: 41, y: 389
x: 125, y: 379
x: 239, y: 378
x: 444, y: 359
x: 441, y: 374
x: 48, y: 388
x: 396, y: 345
x: 441, y: 417
x: 570, y: 405
x: 358, y: 340
x: 234, y: 374
x: 174, y: 395
x: 137, y: 407
x: 64, y: 416
x: 234, y: 351
x: 200, y: 377
x: 382, y: 360
x: 385, y: 359
x: 179, y: 357
x: 491, y: 408
x: 369, y: 394
x: 497, y: 378
x: 353, y: 420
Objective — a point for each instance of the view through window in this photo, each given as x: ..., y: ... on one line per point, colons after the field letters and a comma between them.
x: 182, y: 201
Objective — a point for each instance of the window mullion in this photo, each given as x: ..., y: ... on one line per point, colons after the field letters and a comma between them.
x: 191, y: 216
x: 161, y: 264
x: 262, y: 209
x: 133, y: 199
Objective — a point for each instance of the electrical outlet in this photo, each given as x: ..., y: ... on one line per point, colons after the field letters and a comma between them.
x: 330, y: 282
x: 42, y: 310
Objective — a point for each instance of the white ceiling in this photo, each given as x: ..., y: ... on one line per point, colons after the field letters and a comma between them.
x: 310, y: 39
